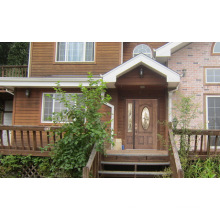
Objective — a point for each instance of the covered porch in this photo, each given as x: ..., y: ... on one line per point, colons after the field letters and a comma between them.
x: 140, y: 95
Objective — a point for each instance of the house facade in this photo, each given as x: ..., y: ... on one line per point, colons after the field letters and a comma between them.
x: 142, y: 79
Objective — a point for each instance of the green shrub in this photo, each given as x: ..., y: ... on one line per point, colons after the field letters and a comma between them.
x: 13, y: 166
x: 82, y: 129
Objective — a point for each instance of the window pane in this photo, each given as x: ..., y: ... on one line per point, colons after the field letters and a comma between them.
x: 48, y: 107
x: 142, y: 49
x: 61, y: 51
x: 89, y: 51
x: 213, y: 75
x: 214, y: 112
x: 211, y: 102
x: 58, y: 106
x: 216, y: 48
x: 75, y: 51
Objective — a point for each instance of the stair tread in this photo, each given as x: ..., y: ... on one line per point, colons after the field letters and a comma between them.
x: 134, y: 163
x: 137, y: 155
x: 134, y: 172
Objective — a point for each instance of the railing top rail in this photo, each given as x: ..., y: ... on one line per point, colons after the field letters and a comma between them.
x: 28, y: 127
x: 197, y: 131
x: 91, y: 158
x: 175, y: 155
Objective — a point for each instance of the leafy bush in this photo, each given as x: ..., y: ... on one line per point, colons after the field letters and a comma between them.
x: 198, y: 168
x: 82, y: 129
x: 12, y: 166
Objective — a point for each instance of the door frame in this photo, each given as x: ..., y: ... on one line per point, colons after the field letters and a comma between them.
x: 132, y: 134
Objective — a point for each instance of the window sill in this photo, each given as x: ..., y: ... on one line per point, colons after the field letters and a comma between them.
x: 74, y: 63
x: 212, y: 84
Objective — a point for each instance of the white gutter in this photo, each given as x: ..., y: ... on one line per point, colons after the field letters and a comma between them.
x: 24, y: 82
x: 170, y: 104
x: 112, y: 118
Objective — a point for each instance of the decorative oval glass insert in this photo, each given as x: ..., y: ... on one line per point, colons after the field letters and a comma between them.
x: 145, y: 118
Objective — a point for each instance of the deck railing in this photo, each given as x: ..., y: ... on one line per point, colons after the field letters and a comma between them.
x: 175, y: 164
x: 92, y: 167
x: 25, y: 140
x: 203, y: 143
x: 14, y: 71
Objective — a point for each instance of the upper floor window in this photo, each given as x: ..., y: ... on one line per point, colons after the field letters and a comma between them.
x: 216, y: 48
x: 142, y: 49
x: 75, y: 51
x: 213, y: 75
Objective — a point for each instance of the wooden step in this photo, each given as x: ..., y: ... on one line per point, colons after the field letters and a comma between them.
x: 136, y: 163
x: 137, y: 155
x: 143, y: 173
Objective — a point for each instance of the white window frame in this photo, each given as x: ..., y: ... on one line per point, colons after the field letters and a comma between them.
x: 207, y: 121
x: 66, y: 54
x: 151, y: 53
x: 42, y: 107
x: 206, y: 68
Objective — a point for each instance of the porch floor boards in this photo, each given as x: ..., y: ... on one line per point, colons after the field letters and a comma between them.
x: 137, y: 152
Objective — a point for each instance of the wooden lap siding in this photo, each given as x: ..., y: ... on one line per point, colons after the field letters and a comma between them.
x: 107, y: 57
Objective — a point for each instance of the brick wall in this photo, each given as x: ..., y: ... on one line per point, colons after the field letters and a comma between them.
x: 194, y: 58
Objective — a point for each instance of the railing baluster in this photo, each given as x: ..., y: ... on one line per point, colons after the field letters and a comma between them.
x: 41, y: 140
x: 54, y: 138
x: 195, y: 147
x: 48, y: 138
x: 208, y: 145
x: 8, y: 138
x: 1, y: 136
x: 28, y: 139
x: 22, y: 140
x: 216, y: 143
x: 201, y: 144
x: 188, y: 143
x: 15, y: 139
x: 34, y: 141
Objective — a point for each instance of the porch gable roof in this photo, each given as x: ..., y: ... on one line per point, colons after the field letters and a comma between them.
x: 172, y: 77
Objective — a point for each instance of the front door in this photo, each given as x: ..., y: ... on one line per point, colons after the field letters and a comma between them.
x: 141, y: 124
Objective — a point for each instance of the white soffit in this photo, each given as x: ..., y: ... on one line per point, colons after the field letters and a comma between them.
x: 169, y: 48
x: 23, y: 82
x: 172, y: 77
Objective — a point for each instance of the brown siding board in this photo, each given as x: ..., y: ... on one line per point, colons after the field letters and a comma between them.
x: 43, y: 62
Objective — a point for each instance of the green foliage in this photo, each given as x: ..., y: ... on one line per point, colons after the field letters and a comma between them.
x: 14, y: 53
x: 198, y: 168
x: 186, y: 109
x: 11, y: 166
x: 18, y: 53
x: 4, y: 49
x: 82, y: 129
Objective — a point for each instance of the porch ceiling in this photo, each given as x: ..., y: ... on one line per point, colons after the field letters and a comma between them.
x: 172, y: 77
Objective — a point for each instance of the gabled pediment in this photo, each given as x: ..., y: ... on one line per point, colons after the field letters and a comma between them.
x: 171, y: 76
